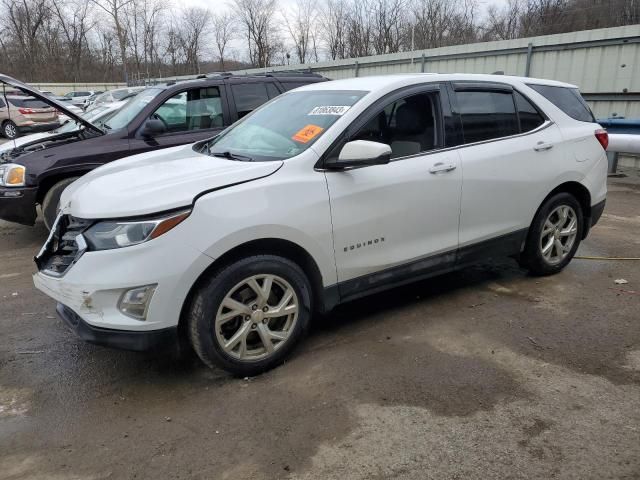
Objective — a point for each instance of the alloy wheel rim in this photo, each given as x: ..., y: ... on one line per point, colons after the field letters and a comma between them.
x: 558, y: 234
x: 256, y: 317
x: 10, y: 130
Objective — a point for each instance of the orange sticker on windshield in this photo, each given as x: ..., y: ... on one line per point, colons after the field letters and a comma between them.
x: 308, y: 133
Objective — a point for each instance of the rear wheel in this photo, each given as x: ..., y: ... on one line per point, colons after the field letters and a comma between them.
x: 10, y: 130
x: 248, y: 317
x: 554, y: 235
x: 51, y: 201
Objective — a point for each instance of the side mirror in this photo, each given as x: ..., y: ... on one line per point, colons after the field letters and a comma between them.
x: 362, y: 153
x: 153, y: 127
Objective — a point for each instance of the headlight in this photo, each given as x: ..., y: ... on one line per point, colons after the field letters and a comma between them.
x: 123, y: 233
x: 12, y: 175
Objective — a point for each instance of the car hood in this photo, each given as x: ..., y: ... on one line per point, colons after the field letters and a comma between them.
x: 155, y: 182
x: 48, y: 100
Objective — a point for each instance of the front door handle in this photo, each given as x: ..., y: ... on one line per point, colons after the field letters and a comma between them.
x: 442, y: 167
x: 542, y: 146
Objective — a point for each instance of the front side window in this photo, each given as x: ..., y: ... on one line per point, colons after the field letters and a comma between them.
x: 285, y: 127
x: 408, y: 125
x: 249, y: 96
x: 131, y: 109
x: 566, y: 99
x: 196, y: 109
x: 487, y: 115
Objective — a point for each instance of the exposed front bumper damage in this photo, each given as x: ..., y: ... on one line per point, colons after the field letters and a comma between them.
x: 18, y: 205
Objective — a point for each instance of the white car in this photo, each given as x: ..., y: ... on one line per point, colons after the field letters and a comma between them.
x: 98, y: 116
x: 327, y: 193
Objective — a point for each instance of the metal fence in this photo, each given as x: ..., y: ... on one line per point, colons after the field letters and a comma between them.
x: 604, y: 63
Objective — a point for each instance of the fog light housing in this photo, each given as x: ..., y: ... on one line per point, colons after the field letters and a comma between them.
x: 135, y: 302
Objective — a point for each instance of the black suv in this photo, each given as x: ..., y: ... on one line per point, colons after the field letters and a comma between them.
x: 158, y: 117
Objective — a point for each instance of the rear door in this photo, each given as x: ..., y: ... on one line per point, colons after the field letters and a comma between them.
x: 189, y: 115
x: 508, y: 156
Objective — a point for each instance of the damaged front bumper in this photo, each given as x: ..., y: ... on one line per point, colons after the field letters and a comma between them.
x: 18, y: 205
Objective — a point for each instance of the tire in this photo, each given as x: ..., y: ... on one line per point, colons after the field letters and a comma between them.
x: 10, y: 130
x: 542, y: 254
x: 51, y: 200
x: 211, y: 323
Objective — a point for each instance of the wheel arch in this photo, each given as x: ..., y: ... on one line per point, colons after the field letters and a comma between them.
x: 45, y: 184
x: 270, y: 246
x: 581, y: 194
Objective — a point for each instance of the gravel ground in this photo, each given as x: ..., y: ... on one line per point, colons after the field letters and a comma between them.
x: 486, y: 373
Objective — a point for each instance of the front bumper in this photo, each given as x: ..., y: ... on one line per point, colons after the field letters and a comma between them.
x: 18, y: 205
x: 123, y: 339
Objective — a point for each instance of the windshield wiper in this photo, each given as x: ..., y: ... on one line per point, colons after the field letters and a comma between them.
x: 232, y: 156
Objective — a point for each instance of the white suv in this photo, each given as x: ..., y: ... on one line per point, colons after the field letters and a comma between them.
x: 327, y: 193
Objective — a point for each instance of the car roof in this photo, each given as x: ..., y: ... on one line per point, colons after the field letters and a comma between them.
x: 384, y: 82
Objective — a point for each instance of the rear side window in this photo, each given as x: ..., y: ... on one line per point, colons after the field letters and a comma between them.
x: 272, y: 90
x: 566, y: 99
x: 27, y: 103
x: 487, y: 115
x: 291, y: 85
x: 249, y: 96
x: 530, y: 118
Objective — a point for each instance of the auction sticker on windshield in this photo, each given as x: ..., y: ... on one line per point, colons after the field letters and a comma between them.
x: 307, y: 133
x: 338, y: 110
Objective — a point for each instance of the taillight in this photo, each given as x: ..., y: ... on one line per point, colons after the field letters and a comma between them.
x: 603, y: 137
x: 26, y: 111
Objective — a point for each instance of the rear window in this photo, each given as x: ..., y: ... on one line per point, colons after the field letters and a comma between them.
x: 566, y: 99
x: 27, y: 103
x: 291, y: 85
x: 487, y: 115
x: 249, y: 96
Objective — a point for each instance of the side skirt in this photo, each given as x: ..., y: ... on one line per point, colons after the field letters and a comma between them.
x: 498, y: 247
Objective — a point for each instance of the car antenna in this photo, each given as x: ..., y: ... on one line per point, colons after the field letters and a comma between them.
x: 4, y: 94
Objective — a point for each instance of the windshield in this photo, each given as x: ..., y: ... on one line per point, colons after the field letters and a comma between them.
x: 285, y: 127
x: 132, y: 108
x: 97, y: 116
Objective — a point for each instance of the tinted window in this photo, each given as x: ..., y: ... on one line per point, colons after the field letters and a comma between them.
x: 530, y: 118
x: 291, y: 85
x: 407, y: 125
x: 249, y: 96
x: 272, y: 90
x: 568, y: 100
x: 196, y: 109
x: 487, y: 115
x: 27, y: 103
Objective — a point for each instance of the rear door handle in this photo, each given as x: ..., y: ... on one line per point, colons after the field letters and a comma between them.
x: 442, y: 167
x: 541, y: 146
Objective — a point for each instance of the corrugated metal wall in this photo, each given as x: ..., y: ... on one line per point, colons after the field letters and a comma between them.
x: 604, y: 63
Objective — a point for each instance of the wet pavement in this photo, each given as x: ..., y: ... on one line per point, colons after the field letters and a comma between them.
x: 484, y: 373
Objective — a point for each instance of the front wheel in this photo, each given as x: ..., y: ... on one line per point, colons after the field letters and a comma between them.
x: 554, y: 235
x: 51, y: 201
x: 248, y: 317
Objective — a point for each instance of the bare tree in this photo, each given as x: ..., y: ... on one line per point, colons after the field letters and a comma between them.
x: 224, y: 30
x: 74, y: 18
x: 388, y: 25
x: 300, y: 22
x: 257, y: 20
x: 193, y: 28
x: 115, y: 9
x: 334, y: 32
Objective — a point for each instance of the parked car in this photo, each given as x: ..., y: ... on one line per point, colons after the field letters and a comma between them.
x: 328, y: 193
x: 158, y: 117
x: 62, y: 118
x: 77, y: 98
x: 97, y: 116
x: 111, y: 96
x: 20, y: 114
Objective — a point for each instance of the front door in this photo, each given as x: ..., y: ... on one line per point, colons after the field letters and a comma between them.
x: 188, y: 116
x: 399, y: 220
